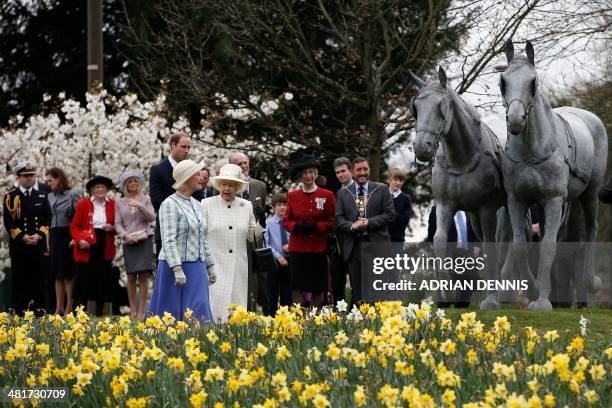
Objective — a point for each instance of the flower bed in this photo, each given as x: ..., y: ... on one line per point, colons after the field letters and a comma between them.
x: 380, y: 355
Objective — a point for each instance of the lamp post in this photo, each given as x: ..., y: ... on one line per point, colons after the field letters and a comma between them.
x: 94, y: 43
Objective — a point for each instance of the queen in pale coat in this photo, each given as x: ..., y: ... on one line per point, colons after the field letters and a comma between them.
x: 230, y: 223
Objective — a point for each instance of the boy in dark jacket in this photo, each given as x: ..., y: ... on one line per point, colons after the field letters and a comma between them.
x: 401, y: 203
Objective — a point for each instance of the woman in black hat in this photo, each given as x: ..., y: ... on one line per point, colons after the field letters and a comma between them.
x: 309, y: 217
x: 93, y: 232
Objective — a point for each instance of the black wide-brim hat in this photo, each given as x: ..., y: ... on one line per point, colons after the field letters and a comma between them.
x: 306, y: 161
x: 99, y: 180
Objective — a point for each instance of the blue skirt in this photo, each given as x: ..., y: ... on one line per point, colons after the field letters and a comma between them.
x: 168, y: 297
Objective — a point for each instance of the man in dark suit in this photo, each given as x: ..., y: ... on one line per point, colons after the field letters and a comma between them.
x: 161, y: 180
x: 256, y: 193
x: 206, y: 191
x: 50, y: 279
x: 339, y: 267
x: 27, y: 216
x: 363, y: 211
x: 460, y: 232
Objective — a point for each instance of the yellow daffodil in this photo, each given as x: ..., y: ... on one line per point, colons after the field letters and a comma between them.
x: 225, y: 347
x: 137, y: 402
x: 198, y: 399
x: 550, y: 400
x: 359, y: 395
x: 449, y: 397
x: 591, y: 396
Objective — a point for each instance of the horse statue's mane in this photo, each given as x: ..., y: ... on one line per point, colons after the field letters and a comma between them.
x: 435, y: 86
x: 468, y: 107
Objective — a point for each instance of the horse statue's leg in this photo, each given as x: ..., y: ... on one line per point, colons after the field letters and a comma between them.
x: 548, y: 250
x: 578, y: 279
x: 588, y: 199
x: 503, y: 236
x: 488, y: 224
x: 567, y: 271
x: 517, y: 251
x: 443, y: 219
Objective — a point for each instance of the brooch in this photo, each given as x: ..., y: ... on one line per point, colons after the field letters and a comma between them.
x: 320, y: 203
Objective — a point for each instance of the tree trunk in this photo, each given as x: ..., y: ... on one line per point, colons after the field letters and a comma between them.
x: 375, y: 132
x: 374, y: 160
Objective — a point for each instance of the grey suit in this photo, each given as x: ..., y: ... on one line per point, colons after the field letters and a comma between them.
x: 379, y: 212
x: 256, y: 282
x: 257, y: 193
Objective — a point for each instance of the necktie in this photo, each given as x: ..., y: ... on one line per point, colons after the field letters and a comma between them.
x: 360, y: 202
x: 245, y: 195
x: 283, y: 234
x: 27, y: 194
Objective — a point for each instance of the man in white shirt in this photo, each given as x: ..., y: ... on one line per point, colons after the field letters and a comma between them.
x: 161, y: 180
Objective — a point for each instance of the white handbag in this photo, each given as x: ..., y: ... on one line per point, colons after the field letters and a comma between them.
x: 136, y: 236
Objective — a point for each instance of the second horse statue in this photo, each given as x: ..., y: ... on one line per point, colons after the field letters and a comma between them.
x: 552, y: 156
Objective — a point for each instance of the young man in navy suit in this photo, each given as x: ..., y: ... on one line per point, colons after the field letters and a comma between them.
x: 161, y: 180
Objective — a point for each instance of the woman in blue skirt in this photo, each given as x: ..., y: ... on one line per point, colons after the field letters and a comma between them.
x: 185, y: 267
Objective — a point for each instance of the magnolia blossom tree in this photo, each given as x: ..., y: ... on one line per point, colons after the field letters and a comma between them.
x: 106, y: 136
x: 109, y: 134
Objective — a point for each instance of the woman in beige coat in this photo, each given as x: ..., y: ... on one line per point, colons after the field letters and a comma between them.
x: 230, y: 223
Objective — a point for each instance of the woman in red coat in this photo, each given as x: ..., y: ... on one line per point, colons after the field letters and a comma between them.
x: 309, y: 217
x: 93, y: 233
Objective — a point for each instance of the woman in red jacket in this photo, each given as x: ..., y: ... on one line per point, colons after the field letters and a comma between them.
x: 310, y: 217
x: 93, y: 233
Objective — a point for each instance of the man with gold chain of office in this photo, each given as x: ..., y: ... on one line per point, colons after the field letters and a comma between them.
x: 363, y: 211
x: 26, y: 215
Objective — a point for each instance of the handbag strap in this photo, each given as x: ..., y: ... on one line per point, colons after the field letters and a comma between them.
x: 263, y: 239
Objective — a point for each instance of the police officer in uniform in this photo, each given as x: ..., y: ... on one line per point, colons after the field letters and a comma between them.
x: 26, y: 214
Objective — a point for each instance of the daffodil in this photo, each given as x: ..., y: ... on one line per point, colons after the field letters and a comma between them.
x: 449, y: 397
x: 550, y: 400
x: 225, y: 347
x: 320, y: 401
x: 137, y: 402
x: 591, y: 396
x: 282, y: 353
x: 198, y: 399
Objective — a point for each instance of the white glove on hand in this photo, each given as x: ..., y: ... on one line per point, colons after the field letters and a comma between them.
x: 179, y: 275
x: 212, y: 276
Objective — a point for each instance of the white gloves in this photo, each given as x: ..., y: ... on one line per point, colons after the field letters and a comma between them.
x: 179, y: 275
x: 181, y: 279
x: 212, y: 276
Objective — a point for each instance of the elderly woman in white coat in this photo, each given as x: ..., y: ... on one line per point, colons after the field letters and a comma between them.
x: 230, y: 223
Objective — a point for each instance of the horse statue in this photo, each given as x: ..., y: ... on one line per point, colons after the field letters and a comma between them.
x: 553, y: 157
x: 467, y: 168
